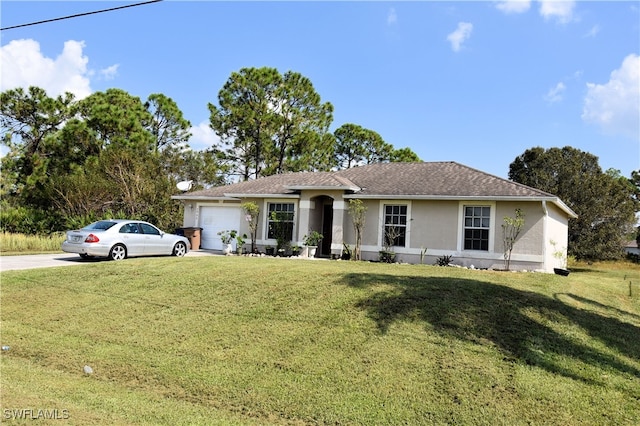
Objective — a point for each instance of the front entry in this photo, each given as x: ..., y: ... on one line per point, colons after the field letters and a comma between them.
x: 327, y: 228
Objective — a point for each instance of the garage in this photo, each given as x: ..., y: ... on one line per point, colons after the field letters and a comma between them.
x: 214, y: 220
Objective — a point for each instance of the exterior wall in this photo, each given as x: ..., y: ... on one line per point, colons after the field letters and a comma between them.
x: 437, y: 226
x: 556, y: 238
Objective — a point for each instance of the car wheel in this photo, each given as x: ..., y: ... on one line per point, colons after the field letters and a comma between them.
x: 180, y: 249
x: 118, y: 252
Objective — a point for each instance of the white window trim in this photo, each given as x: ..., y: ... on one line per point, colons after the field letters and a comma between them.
x: 492, y: 224
x: 407, y: 239
x: 265, y: 218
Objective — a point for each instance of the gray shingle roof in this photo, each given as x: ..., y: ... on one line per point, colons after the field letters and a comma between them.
x: 422, y: 179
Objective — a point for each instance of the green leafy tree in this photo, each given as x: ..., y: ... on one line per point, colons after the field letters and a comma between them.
x: 350, y: 145
x: 270, y: 123
x: 604, y: 202
x: 404, y: 155
x: 245, y: 119
x: 27, y: 121
x: 356, y: 145
x: 301, y: 121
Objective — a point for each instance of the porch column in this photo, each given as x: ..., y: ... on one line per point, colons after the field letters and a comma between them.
x: 337, y: 233
x: 304, y: 208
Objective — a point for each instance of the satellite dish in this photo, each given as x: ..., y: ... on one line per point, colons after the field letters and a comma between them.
x: 185, y: 185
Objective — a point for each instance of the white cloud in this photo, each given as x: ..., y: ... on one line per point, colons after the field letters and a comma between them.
x: 460, y: 35
x: 24, y: 65
x: 556, y: 93
x: 203, y: 137
x: 110, y: 73
x: 514, y: 6
x: 392, y: 17
x: 593, y: 31
x: 560, y: 10
x: 615, y: 105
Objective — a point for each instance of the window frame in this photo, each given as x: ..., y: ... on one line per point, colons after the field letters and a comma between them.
x: 268, y: 223
x: 403, y: 239
x: 477, y: 224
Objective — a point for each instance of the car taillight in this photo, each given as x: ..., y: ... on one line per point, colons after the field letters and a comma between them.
x: 91, y: 239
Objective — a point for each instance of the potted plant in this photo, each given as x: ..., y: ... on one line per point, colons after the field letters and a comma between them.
x: 240, y: 240
x: 311, y: 241
x: 227, y: 237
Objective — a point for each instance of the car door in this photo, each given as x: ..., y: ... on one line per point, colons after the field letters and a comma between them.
x: 153, y: 241
x: 133, y: 238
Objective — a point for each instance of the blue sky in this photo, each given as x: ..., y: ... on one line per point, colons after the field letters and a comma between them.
x: 473, y: 82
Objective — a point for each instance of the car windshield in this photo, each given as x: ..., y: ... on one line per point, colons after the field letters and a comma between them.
x: 101, y: 225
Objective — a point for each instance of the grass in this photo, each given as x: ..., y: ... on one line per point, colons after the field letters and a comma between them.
x: 30, y: 244
x: 235, y: 340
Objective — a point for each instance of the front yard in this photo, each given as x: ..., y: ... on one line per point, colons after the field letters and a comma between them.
x: 238, y: 340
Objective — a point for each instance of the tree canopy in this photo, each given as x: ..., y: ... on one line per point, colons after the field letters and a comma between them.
x: 111, y: 154
x: 605, y: 202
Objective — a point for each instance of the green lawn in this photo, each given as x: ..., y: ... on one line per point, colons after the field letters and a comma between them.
x: 239, y: 340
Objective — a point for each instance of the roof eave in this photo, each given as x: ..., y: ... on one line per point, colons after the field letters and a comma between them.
x: 203, y: 198
x: 237, y: 196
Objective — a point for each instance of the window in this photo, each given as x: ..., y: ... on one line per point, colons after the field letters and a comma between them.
x: 148, y: 229
x: 280, y: 221
x: 476, y: 227
x: 129, y: 228
x: 395, y: 225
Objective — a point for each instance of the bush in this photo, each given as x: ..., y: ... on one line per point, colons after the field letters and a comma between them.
x: 444, y: 260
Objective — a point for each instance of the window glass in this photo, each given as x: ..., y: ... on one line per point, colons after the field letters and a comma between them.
x: 129, y: 228
x: 476, y: 227
x: 148, y: 229
x: 395, y: 225
x: 100, y: 225
x: 280, y: 220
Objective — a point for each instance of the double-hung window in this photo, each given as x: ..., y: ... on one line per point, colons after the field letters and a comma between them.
x: 280, y: 221
x: 477, y: 220
x: 395, y: 225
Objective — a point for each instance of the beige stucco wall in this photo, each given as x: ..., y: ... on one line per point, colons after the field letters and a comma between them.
x: 433, y: 225
x: 556, y: 238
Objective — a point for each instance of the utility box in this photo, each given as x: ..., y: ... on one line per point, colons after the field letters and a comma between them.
x: 193, y: 234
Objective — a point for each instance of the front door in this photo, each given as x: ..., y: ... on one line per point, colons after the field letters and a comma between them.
x: 327, y: 229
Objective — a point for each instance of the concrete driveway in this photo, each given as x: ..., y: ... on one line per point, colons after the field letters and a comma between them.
x: 31, y: 261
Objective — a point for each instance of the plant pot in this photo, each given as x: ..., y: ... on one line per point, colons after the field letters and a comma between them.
x: 561, y: 271
x: 228, y: 249
x: 312, y: 251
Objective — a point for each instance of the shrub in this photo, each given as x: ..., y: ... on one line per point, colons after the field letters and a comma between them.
x: 444, y: 260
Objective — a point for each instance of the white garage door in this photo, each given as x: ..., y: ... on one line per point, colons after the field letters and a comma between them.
x: 214, y: 220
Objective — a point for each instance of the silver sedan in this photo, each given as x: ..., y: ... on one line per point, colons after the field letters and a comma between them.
x: 119, y: 239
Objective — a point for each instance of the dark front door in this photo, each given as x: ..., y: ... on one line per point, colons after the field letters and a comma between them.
x: 327, y: 229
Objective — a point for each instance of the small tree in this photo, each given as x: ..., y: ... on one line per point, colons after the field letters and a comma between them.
x: 390, y: 235
x: 358, y: 211
x: 280, y: 230
x: 510, y: 231
x: 252, y: 213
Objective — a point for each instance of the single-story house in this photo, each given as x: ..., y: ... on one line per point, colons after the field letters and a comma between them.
x: 444, y: 207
